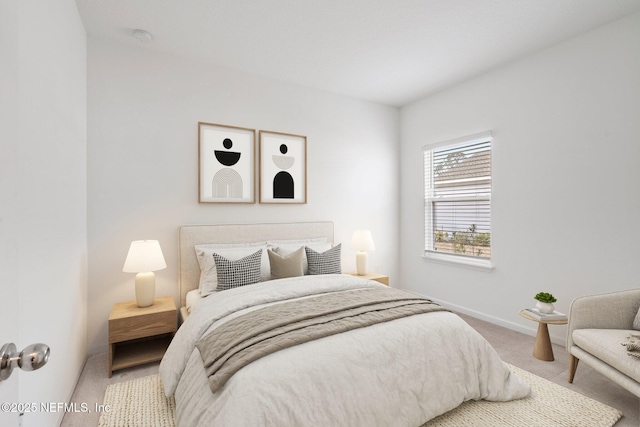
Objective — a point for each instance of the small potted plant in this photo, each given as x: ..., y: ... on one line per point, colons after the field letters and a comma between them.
x: 545, y: 302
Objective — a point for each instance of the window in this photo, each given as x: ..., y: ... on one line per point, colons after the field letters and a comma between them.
x: 457, y: 208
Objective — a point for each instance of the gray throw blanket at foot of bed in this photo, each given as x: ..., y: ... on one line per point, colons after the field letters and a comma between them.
x: 258, y: 333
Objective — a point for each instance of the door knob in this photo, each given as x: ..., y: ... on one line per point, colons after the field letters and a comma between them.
x: 33, y: 357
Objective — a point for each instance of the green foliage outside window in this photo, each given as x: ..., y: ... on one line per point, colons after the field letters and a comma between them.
x: 463, y: 239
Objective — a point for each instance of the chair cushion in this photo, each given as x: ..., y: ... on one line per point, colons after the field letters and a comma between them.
x: 606, y: 345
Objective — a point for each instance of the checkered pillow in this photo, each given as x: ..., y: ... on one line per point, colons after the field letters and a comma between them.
x: 233, y: 274
x: 327, y: 262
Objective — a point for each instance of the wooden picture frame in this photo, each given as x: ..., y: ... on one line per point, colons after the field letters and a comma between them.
x: 283, y: 168
x: 226, y: 164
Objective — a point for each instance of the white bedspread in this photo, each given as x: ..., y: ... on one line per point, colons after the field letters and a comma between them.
x: 398, y: 373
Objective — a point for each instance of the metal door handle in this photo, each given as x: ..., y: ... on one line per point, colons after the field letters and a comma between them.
x: 33, y: 357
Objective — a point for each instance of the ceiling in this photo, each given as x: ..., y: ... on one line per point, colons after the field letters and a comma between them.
x: 387, y: 51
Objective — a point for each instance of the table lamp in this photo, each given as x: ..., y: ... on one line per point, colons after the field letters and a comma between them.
x: 362, y: 242
x: 144, y: 257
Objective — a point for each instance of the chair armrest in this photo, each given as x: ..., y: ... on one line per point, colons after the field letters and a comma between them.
x: 615, y: 310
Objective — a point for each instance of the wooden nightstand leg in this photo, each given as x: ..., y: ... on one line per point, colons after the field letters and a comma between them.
x: 542, y: 349
x: 111, y: 360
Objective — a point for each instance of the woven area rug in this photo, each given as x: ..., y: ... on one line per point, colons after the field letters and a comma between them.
x: 138, y: 403
x: 550, y: 405
x: 141, y: 403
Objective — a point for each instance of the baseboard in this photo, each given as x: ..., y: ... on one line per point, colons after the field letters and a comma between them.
x: 75, y: 385
x: 492, y: 319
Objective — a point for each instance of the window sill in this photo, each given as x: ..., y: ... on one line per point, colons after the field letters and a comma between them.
x: 459, y: 261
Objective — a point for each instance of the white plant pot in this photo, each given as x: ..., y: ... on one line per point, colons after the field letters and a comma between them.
x: 545, y: 307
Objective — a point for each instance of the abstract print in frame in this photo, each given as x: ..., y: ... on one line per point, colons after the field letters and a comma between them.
x: 283, y: 168
x: 226, y: 164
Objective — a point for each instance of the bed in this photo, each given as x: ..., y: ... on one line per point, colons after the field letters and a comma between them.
x: 398, y: 371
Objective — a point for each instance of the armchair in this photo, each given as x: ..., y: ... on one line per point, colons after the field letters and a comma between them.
x: 598, y: 325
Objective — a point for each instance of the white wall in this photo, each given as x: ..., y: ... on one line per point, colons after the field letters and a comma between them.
x: 566, y: 180
x: 143, y: 112
x: 43, y: 210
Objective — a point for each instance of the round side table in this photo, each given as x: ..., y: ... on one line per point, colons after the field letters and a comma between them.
x: 542, y: 349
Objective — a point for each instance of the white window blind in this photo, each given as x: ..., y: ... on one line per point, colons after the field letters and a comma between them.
x: 457, y: 178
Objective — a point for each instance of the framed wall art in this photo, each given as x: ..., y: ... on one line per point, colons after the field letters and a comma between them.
x: 226, y: 170
x: 283, y: 168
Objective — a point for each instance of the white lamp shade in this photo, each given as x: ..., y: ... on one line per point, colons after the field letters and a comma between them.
x: 362, y: 241
x: 144, y: 256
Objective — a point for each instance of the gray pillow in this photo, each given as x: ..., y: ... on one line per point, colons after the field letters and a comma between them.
x: 233, y: 274
x: 636, y: 321
x: 289, y: 265
x: 327, y: 262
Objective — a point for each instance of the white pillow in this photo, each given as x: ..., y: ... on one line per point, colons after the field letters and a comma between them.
x: 232, y: 252
x: 285, y: 247
x: 193, y: 299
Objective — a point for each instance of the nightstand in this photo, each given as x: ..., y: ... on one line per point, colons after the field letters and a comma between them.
x: 372, y: 276
x: 140, y: 335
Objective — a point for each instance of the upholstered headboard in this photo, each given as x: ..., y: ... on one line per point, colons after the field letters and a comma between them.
x: 191, y: 235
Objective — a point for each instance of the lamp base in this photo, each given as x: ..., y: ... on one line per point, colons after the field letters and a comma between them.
x: 361, y: 263
x: 145, y: 288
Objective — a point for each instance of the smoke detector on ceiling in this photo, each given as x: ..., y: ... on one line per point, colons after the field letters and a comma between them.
x: 142, y: 35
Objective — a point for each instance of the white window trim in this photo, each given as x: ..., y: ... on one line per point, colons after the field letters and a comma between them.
x: 459, y: 261
x: 446, y: 258
x: 476, y: 137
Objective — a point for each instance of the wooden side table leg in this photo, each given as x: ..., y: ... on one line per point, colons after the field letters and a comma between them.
x: 542, y: 349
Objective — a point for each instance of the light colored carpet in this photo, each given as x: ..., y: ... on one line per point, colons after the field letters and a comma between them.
x: 141, y: 403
